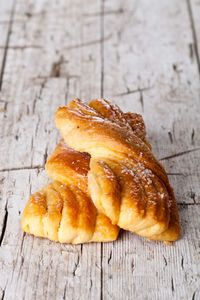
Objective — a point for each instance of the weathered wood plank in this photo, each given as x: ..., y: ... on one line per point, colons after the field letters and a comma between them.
x: 194, y: 13
x: 41, y: 56
x: 6, y: 8
x: 149, y: 67
x: 141, y: 54
x: 53, y: 55
x: 134, y: 268
x: 6, y: 19
x: 33, y: 268
x: 156, y: 75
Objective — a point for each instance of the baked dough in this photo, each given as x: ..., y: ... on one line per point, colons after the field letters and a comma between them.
x: 68, y: 166
x: 64, y: 212
x: 126, y: 182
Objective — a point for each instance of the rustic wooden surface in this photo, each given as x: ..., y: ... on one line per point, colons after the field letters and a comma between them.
x: 145, y: 56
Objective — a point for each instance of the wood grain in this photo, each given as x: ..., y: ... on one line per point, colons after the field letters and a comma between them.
x: 51, y: 58
x: 149, y: 68
x: 6, y: 20
x: 144, y: 55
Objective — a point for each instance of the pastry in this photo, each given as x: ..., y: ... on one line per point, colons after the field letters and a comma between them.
x: 126, y: 182
x: 63, y: 211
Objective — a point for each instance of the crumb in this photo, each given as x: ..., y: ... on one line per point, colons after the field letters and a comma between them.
x: 168, y: 243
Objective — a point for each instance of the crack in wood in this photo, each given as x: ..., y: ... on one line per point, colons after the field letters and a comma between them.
x: 3, y: 295
x: 27, y: 110
x: 22, y: 243
x: 191, y: 52
x: 141, y: 100
x: 67, y: 91
x: 39, y: 95
x: 170, y: 137
x: 17, y: 21
x: 5, y: 219
x: 42, y: 86
x: 132, y: 266
x: 127, y: 20
x: 108, y: 12
x: 94, y: 42
x: 19, y: 116
x: 64, y: 292
x: 29, y: 264
x: 22, y: 47
x: 180, y: 153
x: 98, y: 267
x: 90, y: 288
x: 7, y: 43
x: 45, y: 78
x: 194, y: 35
x: 193, y: 296
x: 56, y: 68
x: 34, y: 103
x: 32, y: 152
x: 192, y: 196
x: 165, y: 260
x: 4, y: 101
x: 22, y: 168
x: 30, y: 184
x: 20, y: 268
x: 28, y: 14
x: 179, y: 174
x: 172, y: 284
x: 76, y: 265
x: 188, y: 204
x: 45, y: 155
x: 182, y: 260
x: 128, y: 92
x: 37, y: 125
x: 173, y: 129
x: 177, y: 70
x: 110, y: 256
x: 192, y: 136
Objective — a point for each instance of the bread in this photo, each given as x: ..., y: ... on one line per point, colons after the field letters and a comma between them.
x: 64, y: 212
x: 126, y: 182
x: 68, y: 166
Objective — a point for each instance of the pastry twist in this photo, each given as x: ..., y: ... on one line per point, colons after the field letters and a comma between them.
x: 63, y: 211
x: 125, y: 181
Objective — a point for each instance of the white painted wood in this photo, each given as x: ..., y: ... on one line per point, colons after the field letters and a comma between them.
x: 157, y: 59
x: 140, y: 54
x: 194, y: 13
x: 6, y: 16
x: 137, y: 269
x: 48, y: 62
x: 149, y: 68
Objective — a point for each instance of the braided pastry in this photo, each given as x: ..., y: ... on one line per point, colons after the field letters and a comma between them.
x: 125, y: 181
x: 62, y: 211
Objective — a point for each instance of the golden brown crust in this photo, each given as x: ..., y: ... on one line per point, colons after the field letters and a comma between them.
x: 65, y: 214
x: 95, y: 135
x: 112, y: 112
x: 68, y: 166
x: 125, y: 180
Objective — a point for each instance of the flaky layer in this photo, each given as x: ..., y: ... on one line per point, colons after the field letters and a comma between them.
x: 65, y: 214
x: 125, y: 180
x: 68, y: 166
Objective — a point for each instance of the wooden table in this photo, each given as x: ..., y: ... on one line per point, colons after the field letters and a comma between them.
x: 145, y: 56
